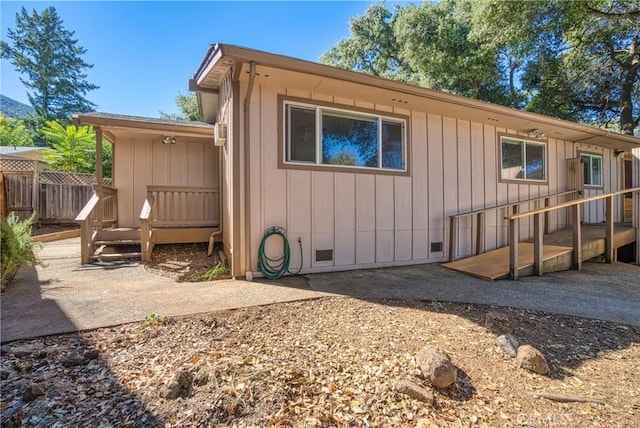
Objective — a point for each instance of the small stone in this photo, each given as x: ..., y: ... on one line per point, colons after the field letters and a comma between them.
x: 5, y: 349
x: 4, y: 374
x: 180, y: 386
x: 32, y: 392
x: 417, y: 392
x: 508, y: 344
x: 92, y: 354
x: 72, y: 361
x: 531, y: 359
x: 497, y: 322
x: 25, y: 350
x: 202, y: 376
x: 436, y: 367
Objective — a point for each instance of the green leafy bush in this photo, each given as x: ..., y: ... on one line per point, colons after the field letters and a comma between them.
x: 16, y: 248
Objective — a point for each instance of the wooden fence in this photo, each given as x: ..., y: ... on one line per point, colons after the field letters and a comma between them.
x: 56, y: 197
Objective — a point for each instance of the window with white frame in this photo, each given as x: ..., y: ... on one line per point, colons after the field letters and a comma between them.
x: 522, y: 160
x: 592, y: 165
x: 318, y: 135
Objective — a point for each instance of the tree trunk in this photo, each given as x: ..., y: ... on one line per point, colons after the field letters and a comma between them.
x: 629, y: 76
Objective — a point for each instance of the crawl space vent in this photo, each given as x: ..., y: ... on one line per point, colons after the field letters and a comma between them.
x: 436, y: 247
x: 324, y: 255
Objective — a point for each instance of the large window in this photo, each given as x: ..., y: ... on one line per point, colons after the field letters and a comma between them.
x: 592, y: 165
x: 328, y: 136
x: 522, y: 160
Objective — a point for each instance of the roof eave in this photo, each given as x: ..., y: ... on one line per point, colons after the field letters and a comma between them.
x: 241, y: 55
x: 101, y: 121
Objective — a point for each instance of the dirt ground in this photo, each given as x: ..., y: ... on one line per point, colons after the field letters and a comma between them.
x: 328, y: 362
x: 333, y: 361
x: 186, y: 262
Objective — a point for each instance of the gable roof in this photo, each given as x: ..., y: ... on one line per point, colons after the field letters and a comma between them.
x: 220, y: 58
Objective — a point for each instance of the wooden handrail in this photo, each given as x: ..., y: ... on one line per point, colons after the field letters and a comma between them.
x: 538, y: 241
x: 146, y: 231
x: 85, y: 218
x: 151, y: 189
x: 510, y: 204
x: 570, y: 203
x: 147, y: 206
x: 86, y: 211
x: 480, y: 221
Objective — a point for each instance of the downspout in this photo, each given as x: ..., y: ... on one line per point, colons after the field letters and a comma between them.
x: 247, y: 165
x: 212, y: 237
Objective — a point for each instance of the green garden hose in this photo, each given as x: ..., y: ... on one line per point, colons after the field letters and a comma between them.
x: 274, y: 268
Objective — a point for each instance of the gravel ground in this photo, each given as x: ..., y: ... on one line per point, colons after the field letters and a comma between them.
x: 332, y: 361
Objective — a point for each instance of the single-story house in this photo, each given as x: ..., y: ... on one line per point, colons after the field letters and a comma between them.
x: 365, y: 172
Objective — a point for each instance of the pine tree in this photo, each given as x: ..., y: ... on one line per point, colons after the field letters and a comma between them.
x: 50, y: 60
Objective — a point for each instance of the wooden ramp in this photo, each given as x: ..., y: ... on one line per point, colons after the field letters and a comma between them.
x: 557, y: 253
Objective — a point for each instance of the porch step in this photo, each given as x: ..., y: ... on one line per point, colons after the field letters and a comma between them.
x: 116, y: 256
x: 118, y: 234
x: 116, y: 242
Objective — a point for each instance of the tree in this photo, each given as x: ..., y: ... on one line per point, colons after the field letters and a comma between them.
x: 573, y: 59
x: 188, y: 106
x: 577, y: 60
x: 14, y: 133
x: 372, y: 47
x: 50, y: 61
x: 423, y: 44
x: 73, y: 148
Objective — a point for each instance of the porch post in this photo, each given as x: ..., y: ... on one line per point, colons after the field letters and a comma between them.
x: 98, y: 131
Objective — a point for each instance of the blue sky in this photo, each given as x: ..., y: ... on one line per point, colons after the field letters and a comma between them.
x: 145, y: 52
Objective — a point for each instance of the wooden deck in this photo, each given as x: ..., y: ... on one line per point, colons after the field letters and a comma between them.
x: 557, y: 254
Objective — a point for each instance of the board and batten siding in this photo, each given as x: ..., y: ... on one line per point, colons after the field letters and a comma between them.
x: 143, y: 160
x: 371, y: 220
x: 225, y: 107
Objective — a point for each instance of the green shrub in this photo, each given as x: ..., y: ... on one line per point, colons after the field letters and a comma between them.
x: 16, y: 248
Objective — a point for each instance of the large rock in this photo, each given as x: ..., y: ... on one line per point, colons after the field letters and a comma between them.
x: 508, y: 344
x: 497, y: 322
x: 436, y: 367
x: 417, y: 392
x: 531, y: 359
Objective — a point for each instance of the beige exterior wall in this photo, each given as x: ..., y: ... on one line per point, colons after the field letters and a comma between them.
x: 143, y: 160
x: 371, y: 220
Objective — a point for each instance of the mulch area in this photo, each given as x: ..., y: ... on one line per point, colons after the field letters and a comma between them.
x: 327, y: 362
x: 186, y: 262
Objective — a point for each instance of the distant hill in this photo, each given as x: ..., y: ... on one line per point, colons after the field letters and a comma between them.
x: 12, y: 108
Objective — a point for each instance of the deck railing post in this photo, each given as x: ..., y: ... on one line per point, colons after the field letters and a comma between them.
x: 480, y: 225
x: 453, y: 238
x: 546, y: 216
x: 514, y: 230
x: 538, y: 244
x: 609, y: 247
x: 577, y: 237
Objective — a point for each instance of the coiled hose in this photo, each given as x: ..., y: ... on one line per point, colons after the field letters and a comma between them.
x: 274, y: 268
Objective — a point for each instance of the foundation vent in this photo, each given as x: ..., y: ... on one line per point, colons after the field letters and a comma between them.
x: 324, y: 255
x: 436, y: 247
